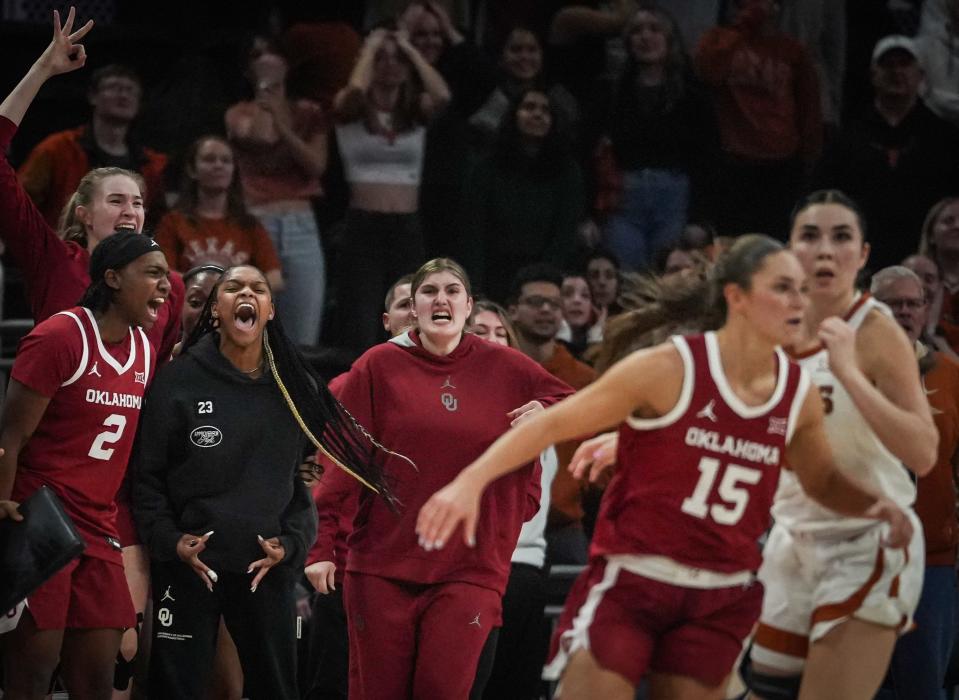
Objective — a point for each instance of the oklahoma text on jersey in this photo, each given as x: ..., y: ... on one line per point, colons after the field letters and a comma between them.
x: 112, y: 398
x: 732, y: 446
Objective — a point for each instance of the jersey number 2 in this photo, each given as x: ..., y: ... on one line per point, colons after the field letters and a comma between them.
x: 730, y: 491
x: 117, y: 422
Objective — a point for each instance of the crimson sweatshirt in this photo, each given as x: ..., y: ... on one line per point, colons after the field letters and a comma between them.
x: 56, y: 272
x: 442, y: 412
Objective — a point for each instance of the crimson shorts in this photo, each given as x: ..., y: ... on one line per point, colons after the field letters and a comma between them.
x: 416, y: 640
x: 633, y: 624
x: 88, y: 593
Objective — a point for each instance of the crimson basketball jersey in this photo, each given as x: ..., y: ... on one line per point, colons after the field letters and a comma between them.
x: 82, y: 445
x: 696, y: 484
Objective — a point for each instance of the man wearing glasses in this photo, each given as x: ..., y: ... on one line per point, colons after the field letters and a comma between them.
x: 921, y: 657
x: 54, y: 168
x: 535, y: 308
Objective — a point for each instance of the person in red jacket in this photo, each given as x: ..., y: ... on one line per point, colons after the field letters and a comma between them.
x: 52, y: 171
x: 705, y: 423
x: 54, y: 263
x: 766, y: 95
x: 418, y: 619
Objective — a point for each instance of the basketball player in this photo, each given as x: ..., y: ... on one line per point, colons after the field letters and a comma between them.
x: 836, y: 597
x: 709, y: 421
x: 70, y: 417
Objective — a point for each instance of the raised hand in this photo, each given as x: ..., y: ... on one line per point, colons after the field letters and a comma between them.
x: 64, y: 54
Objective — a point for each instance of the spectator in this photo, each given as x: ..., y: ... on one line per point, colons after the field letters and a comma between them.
x: 54, y: 167
x: 471, y: 77
x: 521, y: 67
x: 582, y: 324
x: 520, y: 644
x: 280, y: 145
x: 939, y: 241
x: 820, y: 26
x: 525, y: 198
x: 210, y: 224
x: 897, y: 157
x: 662, y: 133
x: 536, y: 310
x: 381, y: 118
x: 940, y: 334
x: 769, y: 111
x: 603, y: 275
x: 938, y: 45
x: 920, y: 659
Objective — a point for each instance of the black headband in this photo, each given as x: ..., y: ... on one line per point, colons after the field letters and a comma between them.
x: 119, y: 250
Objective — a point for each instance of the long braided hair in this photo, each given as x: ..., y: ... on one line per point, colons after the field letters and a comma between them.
x: 324, y: 420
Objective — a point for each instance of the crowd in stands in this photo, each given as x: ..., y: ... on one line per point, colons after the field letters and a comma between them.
x: 564, y: 153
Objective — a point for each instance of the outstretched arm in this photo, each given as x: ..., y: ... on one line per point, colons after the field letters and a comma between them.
x: 648, y: 381
x: 63, y: 55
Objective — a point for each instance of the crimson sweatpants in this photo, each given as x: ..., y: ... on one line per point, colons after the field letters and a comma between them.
x: 418, y: 641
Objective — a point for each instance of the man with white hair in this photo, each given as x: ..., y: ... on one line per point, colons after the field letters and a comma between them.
x: 921, y: 657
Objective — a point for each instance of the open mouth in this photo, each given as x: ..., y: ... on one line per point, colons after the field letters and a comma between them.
x: 153, y: 307
x: 441, y: 317
x: 126, y: 226
x: 244, y: 317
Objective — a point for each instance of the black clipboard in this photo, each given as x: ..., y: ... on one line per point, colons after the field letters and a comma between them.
x: 34, y: 549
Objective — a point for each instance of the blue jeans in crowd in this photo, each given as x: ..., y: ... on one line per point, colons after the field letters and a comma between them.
x: 296, y: 238
x: 650, y: 217
x: 921, y: 657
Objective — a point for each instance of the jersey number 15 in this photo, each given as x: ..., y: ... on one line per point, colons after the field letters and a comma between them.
x: 731, y: 491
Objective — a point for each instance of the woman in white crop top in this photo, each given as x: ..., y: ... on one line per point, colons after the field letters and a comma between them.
x: 381, y: 117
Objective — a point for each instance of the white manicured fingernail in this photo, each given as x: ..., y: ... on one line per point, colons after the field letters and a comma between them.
x: 212, y: 574
x: 253, y: 589
x: 208, y: 534
x: 439, y: 544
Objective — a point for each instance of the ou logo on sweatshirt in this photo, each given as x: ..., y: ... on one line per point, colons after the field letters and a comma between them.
x: 449, y: 401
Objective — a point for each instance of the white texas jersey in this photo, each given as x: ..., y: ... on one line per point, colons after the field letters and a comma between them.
x: 857, y: 450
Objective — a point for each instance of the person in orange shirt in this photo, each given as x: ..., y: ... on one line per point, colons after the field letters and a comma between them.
x: 210, y: 224
x: 53, y: 169
x: 920, y: 659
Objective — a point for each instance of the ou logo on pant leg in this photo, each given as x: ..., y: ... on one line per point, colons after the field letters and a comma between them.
x: 449, y: 401
x: 165, y: 617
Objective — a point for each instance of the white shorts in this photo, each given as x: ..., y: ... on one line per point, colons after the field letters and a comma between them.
x: 815, y: 583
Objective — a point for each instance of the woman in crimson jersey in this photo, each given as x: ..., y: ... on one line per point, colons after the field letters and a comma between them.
x: 707, y: 421
x: 54, y: 263
x: 837, y: 598
x: 419, y: 620
x: 70, y: 416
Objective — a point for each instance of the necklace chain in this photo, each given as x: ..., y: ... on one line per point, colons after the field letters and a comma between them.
x: 251, y: 371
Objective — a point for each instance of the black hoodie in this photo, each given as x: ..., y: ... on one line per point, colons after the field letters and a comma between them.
x: 218, y: 450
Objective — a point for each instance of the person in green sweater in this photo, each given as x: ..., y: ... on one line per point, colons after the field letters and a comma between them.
x: 525, y: 198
